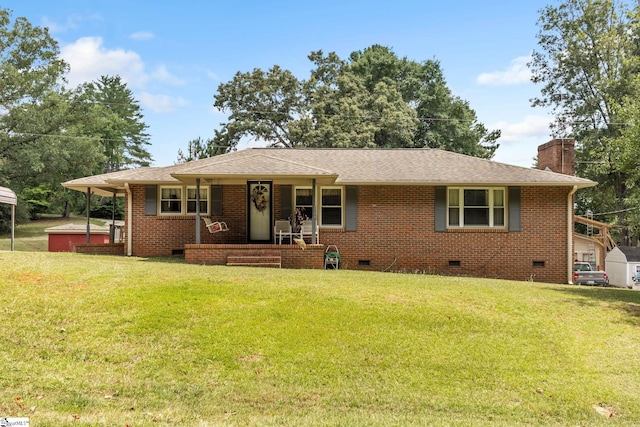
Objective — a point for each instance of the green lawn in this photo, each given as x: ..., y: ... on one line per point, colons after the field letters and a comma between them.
x: 115, y: 341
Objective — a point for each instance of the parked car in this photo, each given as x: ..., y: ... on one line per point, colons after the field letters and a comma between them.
x: 583, y: 274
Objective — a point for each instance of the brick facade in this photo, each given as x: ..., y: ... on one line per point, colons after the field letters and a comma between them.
x: 395, y: 232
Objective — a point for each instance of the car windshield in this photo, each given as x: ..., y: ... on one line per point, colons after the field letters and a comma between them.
x: 582, y: 267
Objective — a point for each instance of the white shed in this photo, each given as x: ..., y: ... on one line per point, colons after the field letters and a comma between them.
x: 623, y: 266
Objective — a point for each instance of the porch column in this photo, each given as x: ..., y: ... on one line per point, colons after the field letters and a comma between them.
x: 88, y: 238
x: 112, y: 234
x: 197, y: 211
x: 13, y: 225
x: 314, y: 223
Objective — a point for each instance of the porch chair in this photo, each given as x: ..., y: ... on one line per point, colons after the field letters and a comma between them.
x: 282, y: 229
x: 306, y: 231
x: 215, y: 226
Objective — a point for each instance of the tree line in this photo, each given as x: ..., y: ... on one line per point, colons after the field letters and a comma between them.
x: 50, y: 133
x: 373, y: 99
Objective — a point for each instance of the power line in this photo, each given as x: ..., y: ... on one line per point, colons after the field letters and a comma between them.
x: 616, y: 212
x: 67, y: 136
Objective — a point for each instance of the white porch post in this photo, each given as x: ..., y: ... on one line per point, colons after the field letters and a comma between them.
x: 112, y: 232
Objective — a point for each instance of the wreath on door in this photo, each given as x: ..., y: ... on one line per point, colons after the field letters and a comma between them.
x: 259, y: 197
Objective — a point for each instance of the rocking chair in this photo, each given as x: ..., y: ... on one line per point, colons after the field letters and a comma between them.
x: 215, y: 226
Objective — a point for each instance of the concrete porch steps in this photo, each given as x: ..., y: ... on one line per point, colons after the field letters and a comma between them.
x: 261, y: 260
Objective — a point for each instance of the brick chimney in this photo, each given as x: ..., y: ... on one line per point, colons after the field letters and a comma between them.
x: 558, y: 156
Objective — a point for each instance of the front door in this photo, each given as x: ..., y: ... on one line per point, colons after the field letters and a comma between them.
x: 259, y: 208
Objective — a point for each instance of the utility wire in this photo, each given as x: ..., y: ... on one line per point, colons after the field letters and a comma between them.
x: 616, y: 212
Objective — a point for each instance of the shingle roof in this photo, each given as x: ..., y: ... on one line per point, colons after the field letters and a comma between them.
x: 344, y: 166
x: 631, y: 252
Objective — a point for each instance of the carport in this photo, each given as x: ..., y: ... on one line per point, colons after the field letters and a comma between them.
x: 8, y: 197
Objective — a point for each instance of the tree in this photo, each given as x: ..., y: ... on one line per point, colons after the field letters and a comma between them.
x: 119, y: 124
x: 263, y: 105
x: 374, y: 99
x: 199, y: 149
x: 38, y: 139
x: 445, y: 121
x: 350, y: 111
x: 587, y: 66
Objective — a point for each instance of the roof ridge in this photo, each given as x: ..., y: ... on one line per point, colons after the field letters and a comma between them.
x: 298, y: 164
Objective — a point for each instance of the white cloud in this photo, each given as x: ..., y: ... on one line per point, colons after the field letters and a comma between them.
x: 142, y: 35
x: 163, y: 75
x: 89, y: 59
x: 519, y: 141
x: 70, y: 23
x: 161, y: 103
x: 517, y: 73
x: 532, y: 127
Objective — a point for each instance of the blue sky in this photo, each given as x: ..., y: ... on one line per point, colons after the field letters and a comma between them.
x: 173, y: 55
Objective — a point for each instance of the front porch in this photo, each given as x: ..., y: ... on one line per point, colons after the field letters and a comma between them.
x: 288, y: 256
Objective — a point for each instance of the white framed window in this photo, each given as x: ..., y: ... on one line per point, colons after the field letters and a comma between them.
x: 476, y: 207
x: 170, y: 200
x: 304, y: 202
x: 204, y: 200
x: 180, y: 200
x: 331, y: 206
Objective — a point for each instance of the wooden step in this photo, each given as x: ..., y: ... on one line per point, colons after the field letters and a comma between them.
x: 255, y: 260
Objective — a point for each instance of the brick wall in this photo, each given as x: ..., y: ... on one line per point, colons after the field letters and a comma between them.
x: 161, y: 235
x: 101, y: 249
x: 404, y: 239
x: 395, y: 232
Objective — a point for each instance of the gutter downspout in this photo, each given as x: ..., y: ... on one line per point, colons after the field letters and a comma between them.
x: 570, y: 234
x: 129, y: 217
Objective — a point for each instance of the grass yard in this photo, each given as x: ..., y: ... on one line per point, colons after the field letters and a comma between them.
x: 115, y: 341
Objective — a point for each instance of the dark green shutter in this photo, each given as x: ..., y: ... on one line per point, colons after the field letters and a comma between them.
x: 514, y: 209
x: 285, y: 201
x: 351, y: 208
x: 150, y: 199
x: 216, y: 200
x: 440, y: 211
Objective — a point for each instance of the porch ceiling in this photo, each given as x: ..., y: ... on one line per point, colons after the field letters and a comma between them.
x: 100, y: 189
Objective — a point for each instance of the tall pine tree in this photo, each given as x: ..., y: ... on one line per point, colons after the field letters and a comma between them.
x: 120, y: 124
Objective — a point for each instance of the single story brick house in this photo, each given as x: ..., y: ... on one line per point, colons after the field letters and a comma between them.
x: 425, y: 210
